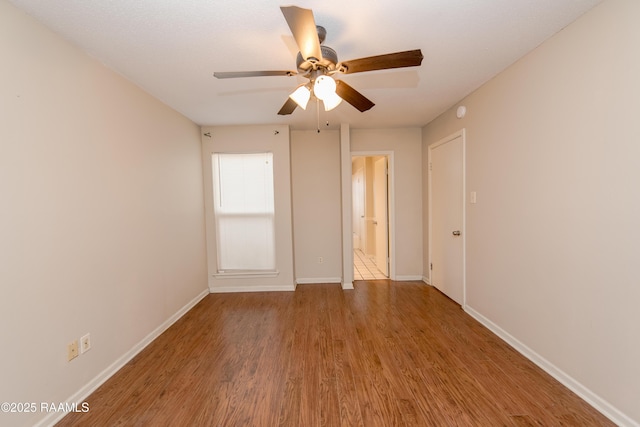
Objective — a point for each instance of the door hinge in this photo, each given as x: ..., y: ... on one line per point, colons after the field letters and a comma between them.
x: 430, y: 266
x: 430, y: 166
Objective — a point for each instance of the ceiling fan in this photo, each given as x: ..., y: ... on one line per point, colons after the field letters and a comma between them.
x: 319, y: 63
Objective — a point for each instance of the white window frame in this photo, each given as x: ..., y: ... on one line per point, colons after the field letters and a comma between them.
x: 242, y: 253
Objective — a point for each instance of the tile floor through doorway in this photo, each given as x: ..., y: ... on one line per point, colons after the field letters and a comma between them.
x: 364, y: 268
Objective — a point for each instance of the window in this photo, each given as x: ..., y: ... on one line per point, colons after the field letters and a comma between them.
x: 244, y: 212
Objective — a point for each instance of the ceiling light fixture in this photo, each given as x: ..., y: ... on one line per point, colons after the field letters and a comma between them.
x: 324, y: 87
x: 331, y: 101
x: 301, y: 96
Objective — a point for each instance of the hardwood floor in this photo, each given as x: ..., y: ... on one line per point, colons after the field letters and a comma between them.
x: 384, y: 354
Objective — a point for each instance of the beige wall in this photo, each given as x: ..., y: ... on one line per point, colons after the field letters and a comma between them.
x: 553, y: 242
x: 101, y: 217
x: 317, y: 203
x: 405, y: 144
x: 315, y: 171
x: 251, y: 139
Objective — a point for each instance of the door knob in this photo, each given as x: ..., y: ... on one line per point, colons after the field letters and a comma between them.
x: 456, y: 233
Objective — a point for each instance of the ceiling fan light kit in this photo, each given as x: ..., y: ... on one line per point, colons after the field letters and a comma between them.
x: 331, y: 101
x: 301, y: 96
x: 319, y: 63
x: 324, y: 87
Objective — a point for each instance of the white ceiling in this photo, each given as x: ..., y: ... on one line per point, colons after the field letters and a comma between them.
x: 171, y: 48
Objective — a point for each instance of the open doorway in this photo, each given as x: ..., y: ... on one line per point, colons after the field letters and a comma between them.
x: 370, y: 216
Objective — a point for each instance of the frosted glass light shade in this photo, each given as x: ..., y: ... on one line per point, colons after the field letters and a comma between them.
x: 324, y: 87
x: 301, y: 96
x: 331, y: 101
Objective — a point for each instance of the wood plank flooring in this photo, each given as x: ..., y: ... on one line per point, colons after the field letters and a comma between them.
x: 384, y: 354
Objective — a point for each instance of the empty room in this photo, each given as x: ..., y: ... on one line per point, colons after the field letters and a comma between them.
x: 324, y: 213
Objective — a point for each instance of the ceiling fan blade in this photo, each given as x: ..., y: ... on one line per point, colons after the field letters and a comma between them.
x: 288, y: 107
x: 352, y: 96
x: 303, y: 27
x: 234, y: 74
x: 409, y: 58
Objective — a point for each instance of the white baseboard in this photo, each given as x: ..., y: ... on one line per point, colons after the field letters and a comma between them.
x: 103, y: 376
x: 590, y: 397
x: 407, y: 278
x: 320, y: 280
x: 425, y: 279
x: 347, y: 285
x: 259, y: 288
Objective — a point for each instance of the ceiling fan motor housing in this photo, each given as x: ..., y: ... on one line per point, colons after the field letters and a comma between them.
x: 328, y: 61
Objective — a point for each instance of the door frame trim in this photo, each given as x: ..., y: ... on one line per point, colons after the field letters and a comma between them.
x: 460, y: 133
x: 347, y: 247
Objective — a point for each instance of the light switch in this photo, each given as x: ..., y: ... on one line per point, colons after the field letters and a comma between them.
x: 472, y: 197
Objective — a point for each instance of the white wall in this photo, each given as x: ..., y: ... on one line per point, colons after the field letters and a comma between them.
x: 405, y: 143
x: 252, y: 139
x: 315, y: 176
x: 101, y: 217
x: 553, y: 242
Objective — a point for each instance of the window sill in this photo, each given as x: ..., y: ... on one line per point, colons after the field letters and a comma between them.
x: 246, y: 274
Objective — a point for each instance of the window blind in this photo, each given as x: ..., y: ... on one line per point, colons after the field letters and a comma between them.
x: 244, y: 211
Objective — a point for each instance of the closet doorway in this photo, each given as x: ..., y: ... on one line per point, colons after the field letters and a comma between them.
x: 370, y: 216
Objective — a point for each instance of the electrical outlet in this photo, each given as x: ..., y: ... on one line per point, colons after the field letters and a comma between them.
x: 85, y: 343
x: 320, y: 260
x: 72, y: 350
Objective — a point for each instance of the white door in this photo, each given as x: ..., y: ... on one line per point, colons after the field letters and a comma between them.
x: 446, y: 177
x: 380, y: 184
x: 358, y: 209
